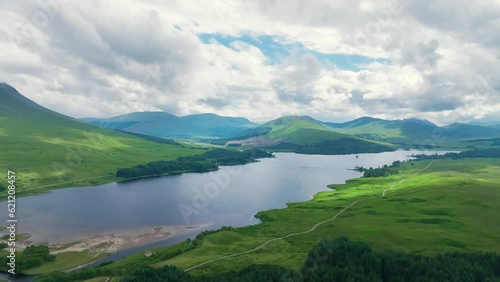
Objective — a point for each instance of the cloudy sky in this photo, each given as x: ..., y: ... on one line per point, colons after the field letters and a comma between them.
x: 261, y: 59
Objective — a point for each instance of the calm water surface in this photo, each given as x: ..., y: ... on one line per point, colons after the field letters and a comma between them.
x: 230, y: 196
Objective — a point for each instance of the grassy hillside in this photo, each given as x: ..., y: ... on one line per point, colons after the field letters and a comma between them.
x: 163, y: 124
x: 467, y: 131
x: 446, y: 206
x: 397, y: 131
x: 48, y: 150
x: 487, y: 124
x: 415, y: 132
x: 304, y: 134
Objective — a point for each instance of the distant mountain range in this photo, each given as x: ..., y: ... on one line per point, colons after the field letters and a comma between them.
x: 487, y: 124
x: 305, y: 134
x: 162, y: 124
x: 299, y: 133
x: 413, y: 131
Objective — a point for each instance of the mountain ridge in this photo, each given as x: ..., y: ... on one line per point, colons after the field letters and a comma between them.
x: 210, y: 126
x: 303, y: 134
x: 163, y: 124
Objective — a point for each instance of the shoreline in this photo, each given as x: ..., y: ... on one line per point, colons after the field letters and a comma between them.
x: 114, y: 179
x: 35, y: 191
x: 105, y: 245
x: 125, y: 242
x: 112, y: 242
x: 109, y: 243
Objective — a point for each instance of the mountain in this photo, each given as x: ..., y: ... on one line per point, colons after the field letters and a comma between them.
x: 394, y: 131
x: 354, y: 123
x: 48, y: 150
x: 412, y: 131
x: 486, y: 124
x: 162, y: 124
x: 468, y: 131
x: 303, y: 134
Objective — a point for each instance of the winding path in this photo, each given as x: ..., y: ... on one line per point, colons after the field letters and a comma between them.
x: 420, y: 171
x: 304, y: 232
x: 274, y: 239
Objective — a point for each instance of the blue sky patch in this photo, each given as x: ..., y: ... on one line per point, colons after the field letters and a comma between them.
x: 276, y: 49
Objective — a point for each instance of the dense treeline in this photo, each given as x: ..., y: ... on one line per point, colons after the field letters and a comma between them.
x: 230, y: 157
x: 197, y: 240
x: 343, y: 146
x: 163, y: 167
x: 484, y: 153
x: 379, y: 171
x: 494, y: 141
x: 205, y: 162
x: 337, y: 260
x: 345, y: 260
x: 33, y: 256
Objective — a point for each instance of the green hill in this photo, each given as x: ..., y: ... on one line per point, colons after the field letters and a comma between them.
x: 48, y: 150
x: 162, y: 124
x: 395, y: 131
x: 303, y: 134
x: 485, y: 123
x: 413, y: 131
x: 467, y: 131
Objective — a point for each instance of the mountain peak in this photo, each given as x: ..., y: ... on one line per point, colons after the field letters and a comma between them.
x: 6, y: 86
x: 294, y: 122
x: 419, y: 121
x: 14, y: 103
x: 293, y: 117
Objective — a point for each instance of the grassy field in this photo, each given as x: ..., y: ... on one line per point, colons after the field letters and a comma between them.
x: 87, y: 156
x: 64, y: 261
x: 451, y: 206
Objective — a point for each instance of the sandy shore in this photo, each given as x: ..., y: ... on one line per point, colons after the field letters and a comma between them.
x: 123, y: 239
x: 118, y: 240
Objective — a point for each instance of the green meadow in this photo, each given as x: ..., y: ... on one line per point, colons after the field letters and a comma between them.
x: 83, y: 155
x: 451, y: 206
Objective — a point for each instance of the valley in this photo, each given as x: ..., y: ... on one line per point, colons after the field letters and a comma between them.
x: 135, y: 208
x: 250, y: 141
x: 429, y: 208
x: 210, y: 204
x: 65, y: 152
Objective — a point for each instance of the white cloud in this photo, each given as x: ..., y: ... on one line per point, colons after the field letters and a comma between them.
x: 95, y: 58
